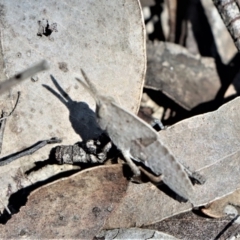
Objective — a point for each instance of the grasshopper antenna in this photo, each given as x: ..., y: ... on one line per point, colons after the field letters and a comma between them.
x: 89, y: 87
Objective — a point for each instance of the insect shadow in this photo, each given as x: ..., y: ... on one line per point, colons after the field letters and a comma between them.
x: 81, y: 117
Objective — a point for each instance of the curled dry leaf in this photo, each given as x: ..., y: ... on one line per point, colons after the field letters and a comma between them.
x: 217, y: 209
x: 187, y: 79
x: 69, y: 35
x: 73, y: 207
x: 208, y: 144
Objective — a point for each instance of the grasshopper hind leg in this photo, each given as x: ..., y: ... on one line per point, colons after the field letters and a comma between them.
x: 132, y: 165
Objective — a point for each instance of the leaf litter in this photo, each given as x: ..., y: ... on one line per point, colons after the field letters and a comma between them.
x: 42, y: 115
x: 208, y: 145
x: 209, y: 168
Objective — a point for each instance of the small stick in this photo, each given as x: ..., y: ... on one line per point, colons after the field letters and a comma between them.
x: 28, y: 151
x: 3, y: 120
x: 5, y: 114
x: 23, y: 75
x: 2, y: 128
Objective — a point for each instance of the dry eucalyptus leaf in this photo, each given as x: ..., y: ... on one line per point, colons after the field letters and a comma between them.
x: 208, y: 144
x: 106, y: 39
x: 73, y: 207
x: 142, y: 205
x: 187, y: 79
x: 133, y: 233
x: 216, y: 209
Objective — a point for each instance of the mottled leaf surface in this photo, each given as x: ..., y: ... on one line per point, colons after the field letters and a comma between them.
x: 218, y: 208
x: 187, y: 79
x: 15, y: 176
x: 220, y: 33
x: 73, y: 207
x: 133, y: 233
x: 142, y: 205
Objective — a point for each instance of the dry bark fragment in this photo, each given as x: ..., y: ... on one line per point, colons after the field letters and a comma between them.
x: 229, y: 11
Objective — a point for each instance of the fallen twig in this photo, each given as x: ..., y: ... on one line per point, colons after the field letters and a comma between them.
x: 28, y: 151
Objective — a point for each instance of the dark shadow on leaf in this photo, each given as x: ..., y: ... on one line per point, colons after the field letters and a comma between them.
x: 19, y: 198
x: 82, y: 118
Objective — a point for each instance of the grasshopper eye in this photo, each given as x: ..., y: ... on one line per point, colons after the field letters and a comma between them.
x: 101, y: 111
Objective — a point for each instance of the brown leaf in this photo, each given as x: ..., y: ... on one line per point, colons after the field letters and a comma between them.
x: 14, y: 177
x: 209, y: 145
x: 187, y: 79
x: 217, y: 209
x: 144, y: 204
x: 73, y: 207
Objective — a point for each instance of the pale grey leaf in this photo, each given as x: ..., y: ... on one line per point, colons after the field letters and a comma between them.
x: 86, y: 38
x: 134, y: 233
x: 187, y: 79
x: 105, y: 38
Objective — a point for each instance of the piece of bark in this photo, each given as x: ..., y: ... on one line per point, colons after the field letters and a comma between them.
x: 217, y: 209
x: 230, y: 14
x: 73, y: 207
x: 187, y: 79
x: 222, y: 38
x: 103, y: 52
